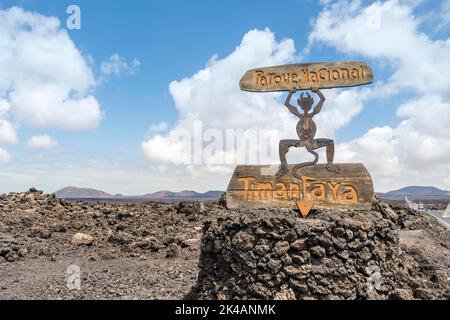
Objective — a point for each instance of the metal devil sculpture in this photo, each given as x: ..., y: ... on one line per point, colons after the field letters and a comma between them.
x: 306, y: 131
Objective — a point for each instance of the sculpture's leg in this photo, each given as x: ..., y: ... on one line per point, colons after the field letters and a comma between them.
x: 329, y: 144
x: 284, y: 149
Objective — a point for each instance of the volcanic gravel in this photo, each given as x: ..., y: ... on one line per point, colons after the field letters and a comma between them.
x: 141, y: 250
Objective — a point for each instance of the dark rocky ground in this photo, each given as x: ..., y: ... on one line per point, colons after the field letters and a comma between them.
x: 140, y: 251
x: 151, y: 250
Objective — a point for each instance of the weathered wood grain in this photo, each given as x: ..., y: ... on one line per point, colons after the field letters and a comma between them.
x: 306, y: 76
x: 346, y: 186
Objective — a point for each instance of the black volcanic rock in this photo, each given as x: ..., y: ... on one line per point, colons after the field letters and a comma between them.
x: 338, y: 255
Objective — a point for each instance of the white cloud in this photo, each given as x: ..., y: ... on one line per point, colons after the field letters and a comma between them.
x: 7, y: 133
x: 159, y: 127
x: 387, y: 31
x: 339, y: 109
x: 4, y: 155
x: 213, y: 94
x: 376, y: 149
x: 417, y: 150
x: 50, y: 108
x: 399, y: 156
x: 211, y: 99
x: 164, y: 149
x: 428, y: 114
x: 41, y: 142
x: 44, y: 80
x: 117, y: 65
x: 4, y: 107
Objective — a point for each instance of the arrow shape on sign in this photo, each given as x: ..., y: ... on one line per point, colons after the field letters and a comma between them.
x: 305, y: 207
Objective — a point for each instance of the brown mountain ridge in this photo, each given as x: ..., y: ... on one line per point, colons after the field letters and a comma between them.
x: 89, y: 193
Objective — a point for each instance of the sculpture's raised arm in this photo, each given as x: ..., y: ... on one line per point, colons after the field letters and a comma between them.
x: 319, y: 106
x: 288, y: 104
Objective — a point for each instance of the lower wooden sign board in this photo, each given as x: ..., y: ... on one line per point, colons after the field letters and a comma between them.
x: 321, y: 186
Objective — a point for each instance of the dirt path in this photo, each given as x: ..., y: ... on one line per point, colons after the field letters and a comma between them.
x: 120, y: 278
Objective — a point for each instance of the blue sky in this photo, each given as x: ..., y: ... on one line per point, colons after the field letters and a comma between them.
x: 173, y: 40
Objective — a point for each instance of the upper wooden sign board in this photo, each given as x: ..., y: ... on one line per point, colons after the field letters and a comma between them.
x: 305, y: 76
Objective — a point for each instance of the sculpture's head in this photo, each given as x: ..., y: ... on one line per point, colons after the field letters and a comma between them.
x: 305, y: 102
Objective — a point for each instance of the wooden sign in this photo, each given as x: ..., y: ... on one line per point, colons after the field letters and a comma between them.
x: 306, y: 76
x: 337, y: 186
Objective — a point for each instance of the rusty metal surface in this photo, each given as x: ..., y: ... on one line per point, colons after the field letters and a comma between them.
x: 306, y: 131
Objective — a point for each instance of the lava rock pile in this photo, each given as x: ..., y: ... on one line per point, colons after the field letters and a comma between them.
x: 273, y: 254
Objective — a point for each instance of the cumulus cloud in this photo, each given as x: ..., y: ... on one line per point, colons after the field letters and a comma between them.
x: 4, y: 107
x: 418, y: 149
x: 7, y: 133
x: 45, y: 81
x: 212, y: 98
x: 339, y: 109
x: 4, y: 155
x: 117, y: 65
x: 158, y: 127
x: 47, y: 105
x: 165, y: 150
x: 386, y: 32
x: 220, y: 125
x: 41, y: 142
x: 389, y: 31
